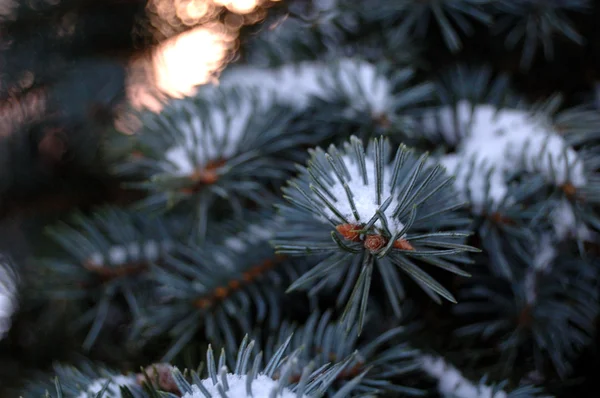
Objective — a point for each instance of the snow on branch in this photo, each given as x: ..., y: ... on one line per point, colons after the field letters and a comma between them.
x: 8, y: 291
x: 261, y: 386
x: 493, y: 144
x: 249, y: 378
x: 296, y: 85
x: 113, y: 388
x: 452, y: 384
x: 370, y: 208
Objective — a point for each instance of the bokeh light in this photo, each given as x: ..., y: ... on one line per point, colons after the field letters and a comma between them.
x: 191, y: 59
x: 197, y: 39
x: 239, y: 6
x: 188, y: 57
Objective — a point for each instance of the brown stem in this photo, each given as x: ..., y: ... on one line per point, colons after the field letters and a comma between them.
x: 222, y: 292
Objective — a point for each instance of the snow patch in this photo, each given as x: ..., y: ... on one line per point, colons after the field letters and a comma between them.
x: 493, y: 143
x: 259, y: 232
x: 292, y: 85
x: 235, y: 244
x: 216, y: 137
x: 364, y: 195
x: 253, y: 234
x: 296, y: 85
x: 360, y: 82
x: 501, y: 141
x: 566, y: 224
x: 545, y: 254
x: 113, y: 388
x: 8, y: 301
x: 452, y: 384
x: 134, y: 251
x: 261, y: 387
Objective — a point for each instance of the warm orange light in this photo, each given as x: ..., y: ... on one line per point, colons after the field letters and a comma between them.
x: 239, y: 6
x: 196, y: 9
x: 190, y: 59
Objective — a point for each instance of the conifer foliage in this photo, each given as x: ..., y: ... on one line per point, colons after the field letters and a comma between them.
x: 336, y: 219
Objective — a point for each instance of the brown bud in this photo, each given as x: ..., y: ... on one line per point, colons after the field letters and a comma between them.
x: 205, y: 176
x: 375, y: 242
x: 382, y: 120
x: 569, y: 189
x: 234, y: 285
x: 403, y: 244
x: 349, y: 231
x: 209, y: 174
x: 202, y: 303
x: 221, y: 292
x: 499, y: 218
x: 160, y: 376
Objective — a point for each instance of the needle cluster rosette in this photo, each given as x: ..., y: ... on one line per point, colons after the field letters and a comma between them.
x: 374, y: 208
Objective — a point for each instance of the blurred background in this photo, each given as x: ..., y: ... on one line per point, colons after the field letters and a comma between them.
x: 71, y: 72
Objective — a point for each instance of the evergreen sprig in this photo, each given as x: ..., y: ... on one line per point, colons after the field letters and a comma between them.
x: 536, y: 23
x: 275, y: 379
x: 539, y: 179
x: 283, y: 39
x: 413, y: 18
x: 333, y: 22
x: 107, y: 257
x: 479, y: 84
x: 229, y: 283
x: 230, y: 148
x: 549, y: 308
x: 443, y: 125
x: 384, y: 359
x: 366, y: 209
x: 580, y: 127
x: 366, y: 100
x: 451, y: 383
x: 86, y: 380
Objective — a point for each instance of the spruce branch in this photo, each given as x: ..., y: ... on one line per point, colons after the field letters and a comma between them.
x: 365, y: 209
x: 445, y: 124
x: 352, y: 89
x: 479, y: 84
x: 228, y: 283
x: 282, y: 39
x: 550, y: 307
x: 384, y: 359
x: 518, y: 165
x: 323, y: 30
x: 293, y: 85
x: 107, y: 257
x: 248, y: 377
x: 579, y: 126
x: 366, y: 99
x: 332, y: 21
x: 87, y: 380
x: 235, y: 146
x: 452, y: 384
x: 413, y: 17
x: 506, y: 157
x: 535, y: 23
